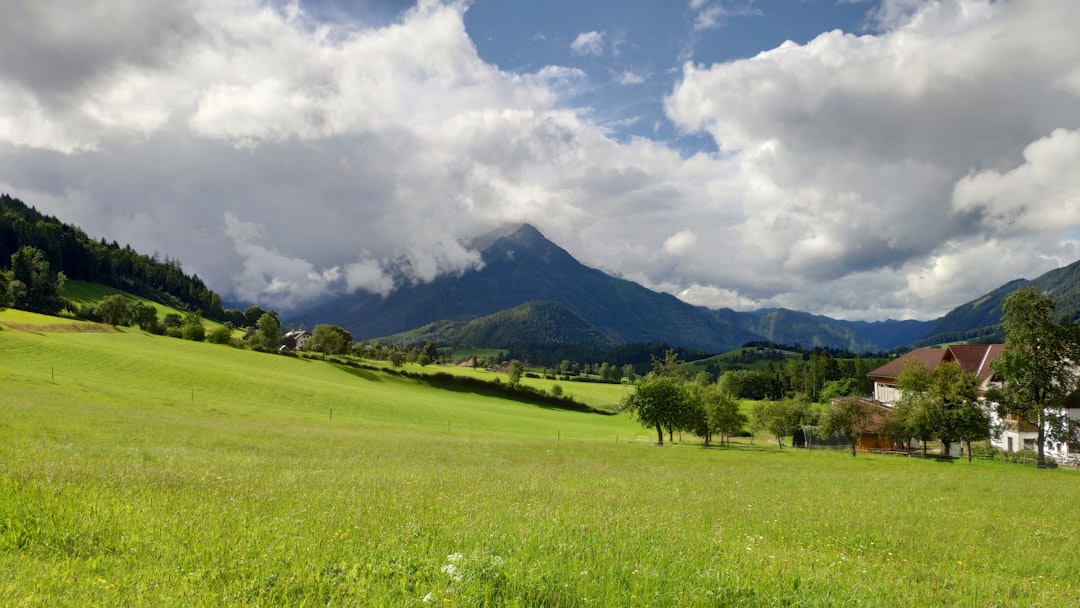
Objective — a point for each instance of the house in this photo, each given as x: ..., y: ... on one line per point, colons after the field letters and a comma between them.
x: 295, y: 340
x: 1013, y: 435
x: 974, y: 358
x: 874, y: 437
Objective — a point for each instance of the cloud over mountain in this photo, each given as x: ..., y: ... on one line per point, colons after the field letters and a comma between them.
x: 283, y: 157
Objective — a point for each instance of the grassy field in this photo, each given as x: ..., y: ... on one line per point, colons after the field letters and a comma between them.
x: 600, y: 395
x: 147, y: 471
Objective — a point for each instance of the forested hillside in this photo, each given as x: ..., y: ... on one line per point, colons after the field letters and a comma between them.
x: 70, y: 250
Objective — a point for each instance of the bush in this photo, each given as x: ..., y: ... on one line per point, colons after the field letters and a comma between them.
x: 983, y: 449
x: 220, y: 335
x: 531, y: 375
x: 194, y: 332
x: 173, y: 332
x: 556, y: 390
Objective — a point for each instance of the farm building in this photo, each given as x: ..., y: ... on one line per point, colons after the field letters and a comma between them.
x: 295, y: 340
x: 1014, y: 434
x: 973, y: 358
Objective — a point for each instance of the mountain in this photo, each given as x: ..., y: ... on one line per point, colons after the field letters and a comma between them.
x: 539, y: 322
x: 783, y: 326
x: 522, y: 266
x: 889, y: 334
x: 980, y: 319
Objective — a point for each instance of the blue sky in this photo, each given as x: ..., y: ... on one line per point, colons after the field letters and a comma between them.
x: 863, y: 160
x: 632, y: 52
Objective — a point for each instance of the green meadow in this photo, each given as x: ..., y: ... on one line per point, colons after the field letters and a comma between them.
x: 138, y: 470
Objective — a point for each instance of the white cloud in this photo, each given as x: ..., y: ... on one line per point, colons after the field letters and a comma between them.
x: 588, y: 43
x: 269, y: 276
x: 1042, y: 195
x: 284, y: 159
x: 629, y: 77
x: 850, y: 147
x: 680, y: 243
x: 713, y: 14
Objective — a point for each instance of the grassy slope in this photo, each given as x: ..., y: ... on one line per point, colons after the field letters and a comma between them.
x: 83, y: 293
x: 117, y: 486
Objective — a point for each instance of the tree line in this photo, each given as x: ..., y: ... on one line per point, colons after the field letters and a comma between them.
x: 68, y: 250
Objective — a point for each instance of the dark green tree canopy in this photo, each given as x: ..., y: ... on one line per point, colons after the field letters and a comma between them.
x: 34, y: 285
x: 68, y: 250
x: 330, y: 339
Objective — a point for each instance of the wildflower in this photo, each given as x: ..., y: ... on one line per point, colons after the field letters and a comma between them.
x: 427, y: 598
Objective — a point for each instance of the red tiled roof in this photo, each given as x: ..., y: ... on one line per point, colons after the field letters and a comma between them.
x: 973, y: 358
x: 930, y: 357
x: 976, y: 358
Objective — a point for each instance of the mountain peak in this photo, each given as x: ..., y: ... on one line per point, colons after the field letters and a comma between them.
x: 522, y: 233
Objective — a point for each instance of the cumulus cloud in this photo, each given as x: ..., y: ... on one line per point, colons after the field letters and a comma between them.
x: 851, y: 147
x: 588, y: 43
x: 268, y: 275
x: 1041, y: 195
x: 284, y: 159
x: 629, y: 77
x: 680, y: 243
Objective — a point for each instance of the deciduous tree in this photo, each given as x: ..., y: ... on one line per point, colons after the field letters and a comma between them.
x: 915, y: 411
x: 268, y: 331
x: 780, y: 418
x: 34, y: 286
x: 329, y: 339
x: 656, y: 401
x: 1037, y: 366
x: 514, y: 371
x: 849, y: 416
x: 114, y: 310
x: 145, y: 316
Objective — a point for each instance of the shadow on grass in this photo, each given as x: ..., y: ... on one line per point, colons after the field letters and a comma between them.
x: 476, y: 386
x: 363, y: 374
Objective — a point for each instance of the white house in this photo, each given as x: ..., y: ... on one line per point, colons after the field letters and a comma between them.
x: 295, y: 340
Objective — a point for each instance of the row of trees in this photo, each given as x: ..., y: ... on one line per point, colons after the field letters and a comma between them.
x: 817, y: 374
x: 1037, y: 373
x: 669, y: 400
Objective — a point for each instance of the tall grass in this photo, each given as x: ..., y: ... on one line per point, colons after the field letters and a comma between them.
x: 157, y: 472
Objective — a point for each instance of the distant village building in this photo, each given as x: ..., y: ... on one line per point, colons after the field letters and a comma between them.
x: 295, y: 340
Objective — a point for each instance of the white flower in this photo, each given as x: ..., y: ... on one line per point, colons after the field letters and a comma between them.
x: 452, y: 571
x: 428, y: 598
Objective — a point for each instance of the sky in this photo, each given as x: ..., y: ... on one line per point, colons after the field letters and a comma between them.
x: 858, y: 159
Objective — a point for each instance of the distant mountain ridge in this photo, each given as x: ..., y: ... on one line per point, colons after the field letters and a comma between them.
x: 980, y: 319
x: 522, y: 266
